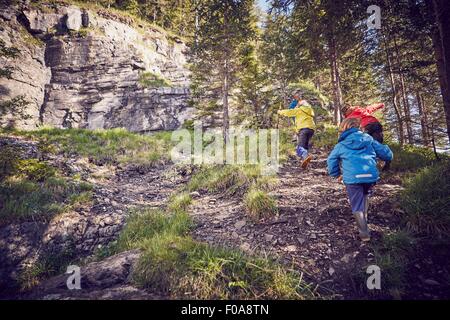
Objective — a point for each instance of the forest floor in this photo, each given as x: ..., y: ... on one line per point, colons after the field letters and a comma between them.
x: 313, y: 233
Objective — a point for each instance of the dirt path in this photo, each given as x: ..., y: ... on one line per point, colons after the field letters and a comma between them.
x: 314, y: 232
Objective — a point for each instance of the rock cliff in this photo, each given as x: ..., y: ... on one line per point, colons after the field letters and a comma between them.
x: 92, y: 69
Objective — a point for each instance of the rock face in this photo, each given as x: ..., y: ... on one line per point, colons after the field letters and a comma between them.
x: 82, y: 69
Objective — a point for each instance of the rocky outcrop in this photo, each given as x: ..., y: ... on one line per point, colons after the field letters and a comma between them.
x: 108, y: 279
x: 84, y: 69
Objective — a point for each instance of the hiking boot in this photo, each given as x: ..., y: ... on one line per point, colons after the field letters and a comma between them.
x: 363, y: 229
x: 306, y: 162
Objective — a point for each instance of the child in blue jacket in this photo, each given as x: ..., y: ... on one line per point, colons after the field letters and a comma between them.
x: 355, y: 156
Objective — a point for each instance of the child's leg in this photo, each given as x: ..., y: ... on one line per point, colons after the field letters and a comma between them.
x: 367, y: 193
x: 309, y: 135
x: 356, y: 196
x: 302, y: 149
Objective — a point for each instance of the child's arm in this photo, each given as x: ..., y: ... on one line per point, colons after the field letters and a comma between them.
x: 333, y: 163
x: 288, y: 112
x: 383, y: 151
x: 293, y: 104
x: 374, y: 107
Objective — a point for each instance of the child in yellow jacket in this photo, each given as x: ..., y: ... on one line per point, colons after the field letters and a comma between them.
x: 305, y: 125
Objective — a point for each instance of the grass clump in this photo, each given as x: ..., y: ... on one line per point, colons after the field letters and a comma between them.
x: 259, y: 204
x: 32, y: 190
x: 24, y: 200
x: 229, y: 179
x: 426, y: 200
x: 180, y: 202
x: 113, y: 146
x: 393, y: 256
x: 173, y: 263
x: 149, y: 223
x: 152, y: 80
x: 51, y: 261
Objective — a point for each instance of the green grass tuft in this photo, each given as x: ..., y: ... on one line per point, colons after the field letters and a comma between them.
x: 152, y: 80
x: 259, y: 204
x: 175, y: 264
x: 111, y: 146
x: 426, y: 200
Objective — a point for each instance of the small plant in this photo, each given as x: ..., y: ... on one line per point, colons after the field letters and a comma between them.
x: 259, y: 204
x: 179, y: 202
x: 51, y: 261
x: 9, y: 161
x: 35, y: 170
x: 152, y: 80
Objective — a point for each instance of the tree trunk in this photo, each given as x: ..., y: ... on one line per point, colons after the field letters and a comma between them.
x: 423, y: 119
x: 395, y: 103
x: 335, y: 79
x: 225, y: 89
x: 441, y: 43
x: 404, y: 95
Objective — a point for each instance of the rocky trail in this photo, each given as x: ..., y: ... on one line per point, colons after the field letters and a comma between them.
x: 314, y: 231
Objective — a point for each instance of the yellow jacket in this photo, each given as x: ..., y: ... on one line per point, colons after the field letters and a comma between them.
x: 304, y: 116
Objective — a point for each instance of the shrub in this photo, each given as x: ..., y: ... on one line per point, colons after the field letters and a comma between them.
x: 410, y: 158
x: 326, y: 136
x: 35, y: 170
x: 9, y: 161
x: 426, y: 199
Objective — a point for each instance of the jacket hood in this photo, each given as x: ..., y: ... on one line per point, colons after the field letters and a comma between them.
x: 354, y: 139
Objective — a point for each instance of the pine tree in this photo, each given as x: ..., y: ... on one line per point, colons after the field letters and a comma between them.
x: 224, y: 28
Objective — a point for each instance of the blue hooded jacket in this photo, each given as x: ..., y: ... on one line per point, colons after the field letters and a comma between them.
x: 357, y: 152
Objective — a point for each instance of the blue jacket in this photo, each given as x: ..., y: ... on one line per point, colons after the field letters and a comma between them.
x: 357, y: 152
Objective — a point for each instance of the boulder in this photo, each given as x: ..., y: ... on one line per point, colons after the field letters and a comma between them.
x: 74, y: 20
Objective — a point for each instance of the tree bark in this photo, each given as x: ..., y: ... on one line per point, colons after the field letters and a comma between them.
x: 225, y: 89
x: 335, y: 79
x: 404, y: 95
x: 395, y: 103
x: 423, y: 119
x: 441, y: 43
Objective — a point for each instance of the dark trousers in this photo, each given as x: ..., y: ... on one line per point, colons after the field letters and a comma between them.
x: 375, y: 129
x: 303, y: 137
x: 357, y: 195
